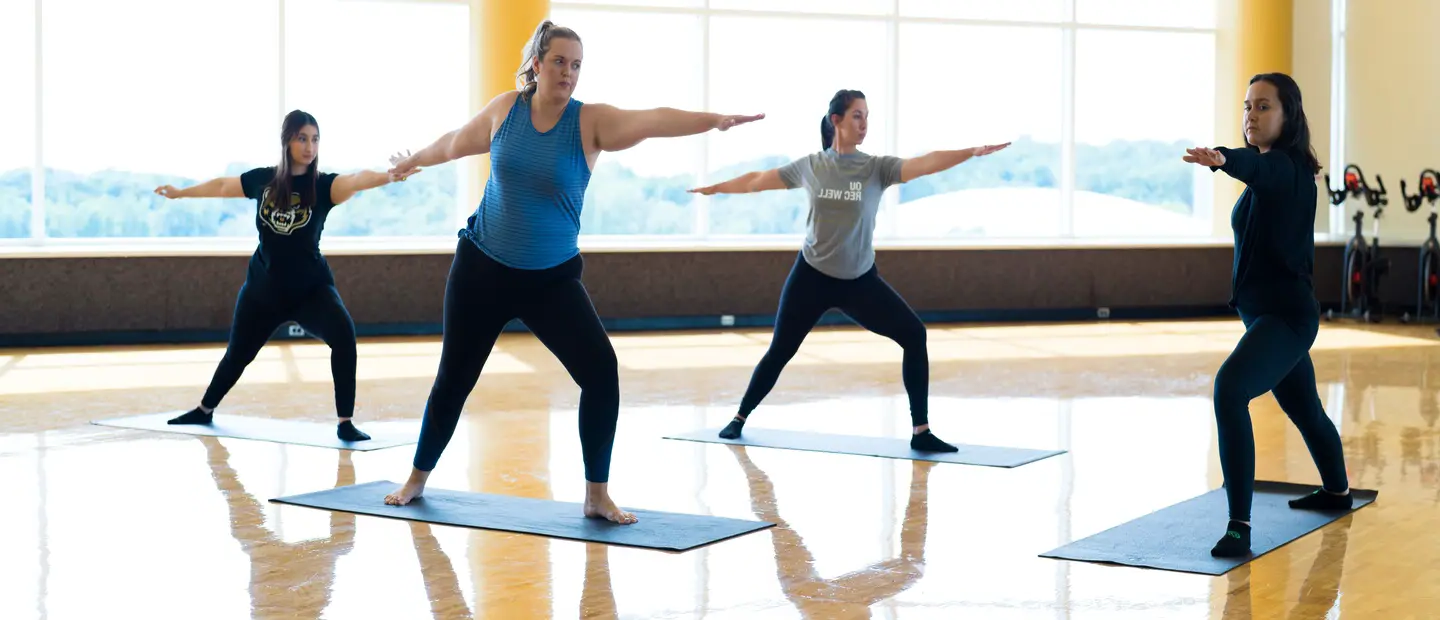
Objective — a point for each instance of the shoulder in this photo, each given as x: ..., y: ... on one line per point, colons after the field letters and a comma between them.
x: 259, y: 174
x: 500, y: 106
x: 504, y: 100
x: 810, y: 161
x: 881, y: 161
x: 251, y: 181
x: 590, y: 111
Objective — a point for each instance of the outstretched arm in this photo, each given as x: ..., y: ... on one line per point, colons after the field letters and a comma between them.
x: 1262, y: 171
x: 940, y: 161
x: 616, y: 129
x: 223, y: 187
x: 347, y: 185
x: 472, y: 139
x: 748, y: 183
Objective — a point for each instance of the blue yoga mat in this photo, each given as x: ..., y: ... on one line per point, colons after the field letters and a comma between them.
x: 296, y: 432
x: 885, y: 447
x: 666, y: 531
x: 1179, y: 537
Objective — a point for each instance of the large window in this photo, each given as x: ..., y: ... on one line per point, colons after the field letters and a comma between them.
x: 948, y: 103
x: 160, y: 101
x: 371, y: 102
x: 175, y: 98
x: 1134, y: 116
x: 17, y: 116
x: 1098, y: 97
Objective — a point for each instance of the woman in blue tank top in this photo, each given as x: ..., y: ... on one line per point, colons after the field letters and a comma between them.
x: 836, y: 266
x: 518, y: 255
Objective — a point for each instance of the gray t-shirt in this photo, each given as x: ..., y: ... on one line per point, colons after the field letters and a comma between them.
x: 845, y: 194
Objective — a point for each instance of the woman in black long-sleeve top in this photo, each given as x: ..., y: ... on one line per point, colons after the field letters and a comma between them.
x: 1274, y: 223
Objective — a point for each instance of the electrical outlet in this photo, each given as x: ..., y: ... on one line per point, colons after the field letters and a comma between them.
x: 296, y: 331
x: 727, y: 320
x: 1103, y: 313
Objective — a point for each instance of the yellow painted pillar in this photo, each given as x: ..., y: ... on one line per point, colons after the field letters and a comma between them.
x: 1253, y: 36
x: 499, y: 30
x: 511, y: 572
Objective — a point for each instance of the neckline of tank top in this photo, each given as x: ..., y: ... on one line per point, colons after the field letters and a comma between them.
x: 530, y: 120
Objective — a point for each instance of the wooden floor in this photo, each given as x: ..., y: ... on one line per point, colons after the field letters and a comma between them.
x: 108, y: 523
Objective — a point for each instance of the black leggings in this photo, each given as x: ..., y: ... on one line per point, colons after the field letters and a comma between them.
x: 1272, y: 356
x: 481, y: 297
x: 261, y: 309
x: 870, y: 301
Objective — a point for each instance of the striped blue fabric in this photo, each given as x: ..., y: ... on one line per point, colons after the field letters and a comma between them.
x: 529, y: 217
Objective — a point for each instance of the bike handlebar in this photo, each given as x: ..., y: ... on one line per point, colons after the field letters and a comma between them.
x: 1429, y: 190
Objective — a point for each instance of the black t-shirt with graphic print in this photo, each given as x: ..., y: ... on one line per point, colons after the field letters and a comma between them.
x: 289, y: 251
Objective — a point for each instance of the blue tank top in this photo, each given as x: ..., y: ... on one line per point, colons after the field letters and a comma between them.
x: 529, y: 217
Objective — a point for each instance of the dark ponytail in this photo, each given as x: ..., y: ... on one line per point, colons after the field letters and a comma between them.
x: 838, y: 105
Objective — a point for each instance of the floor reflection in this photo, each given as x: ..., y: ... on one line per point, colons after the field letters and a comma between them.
x: 442, y: 586
x: 850, y: 595
x: 294, y: 579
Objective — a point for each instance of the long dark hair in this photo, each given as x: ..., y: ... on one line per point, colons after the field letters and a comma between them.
x: 281, y: 187
x: 838, y: 105
x: 1295, y: 134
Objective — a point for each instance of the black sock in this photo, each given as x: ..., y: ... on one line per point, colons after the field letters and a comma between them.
x: 193, y: 416
x: 1235, y: 543
x: 347, y: 431
x: 732, y: 430
x: 1323, y: 500
x: 928, y: 442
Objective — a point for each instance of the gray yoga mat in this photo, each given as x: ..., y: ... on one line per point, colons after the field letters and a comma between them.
x: 666, y: 531
x: 886, y: 447
x: 296, y: 432
x: 1179, y: 538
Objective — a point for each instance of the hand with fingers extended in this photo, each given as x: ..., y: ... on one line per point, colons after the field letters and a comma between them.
x: 168, y: 191
x: 400, y: 166
x: 726, y: 122
x: 981, y: 151
x: 1204, y: 157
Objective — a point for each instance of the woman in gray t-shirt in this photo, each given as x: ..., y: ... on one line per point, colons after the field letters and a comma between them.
x: 836, y: 266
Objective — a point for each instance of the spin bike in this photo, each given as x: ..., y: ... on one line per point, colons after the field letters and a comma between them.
x: 1360, y: 289
x: 1427, y: 301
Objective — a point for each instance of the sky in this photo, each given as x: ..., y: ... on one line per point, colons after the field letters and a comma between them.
x: 168, y: 95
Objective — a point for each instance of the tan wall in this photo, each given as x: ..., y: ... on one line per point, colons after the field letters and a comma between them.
x: 1392, y: 127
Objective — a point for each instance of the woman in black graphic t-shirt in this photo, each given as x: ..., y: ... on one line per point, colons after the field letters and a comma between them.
x: 288, y: 279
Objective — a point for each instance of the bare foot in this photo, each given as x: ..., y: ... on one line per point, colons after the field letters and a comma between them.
x: 412, y: 489
x: 598, y: 505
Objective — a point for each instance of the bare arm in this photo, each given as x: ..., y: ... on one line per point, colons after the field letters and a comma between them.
x: 347, y: 185
x: 472, y: 139
x: 616, y: 129
x: 748, y: 183
x: 940, y: 161
x: 223, y: 187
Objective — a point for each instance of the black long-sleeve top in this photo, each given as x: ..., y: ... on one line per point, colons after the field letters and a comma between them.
x: 1274, y: 224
